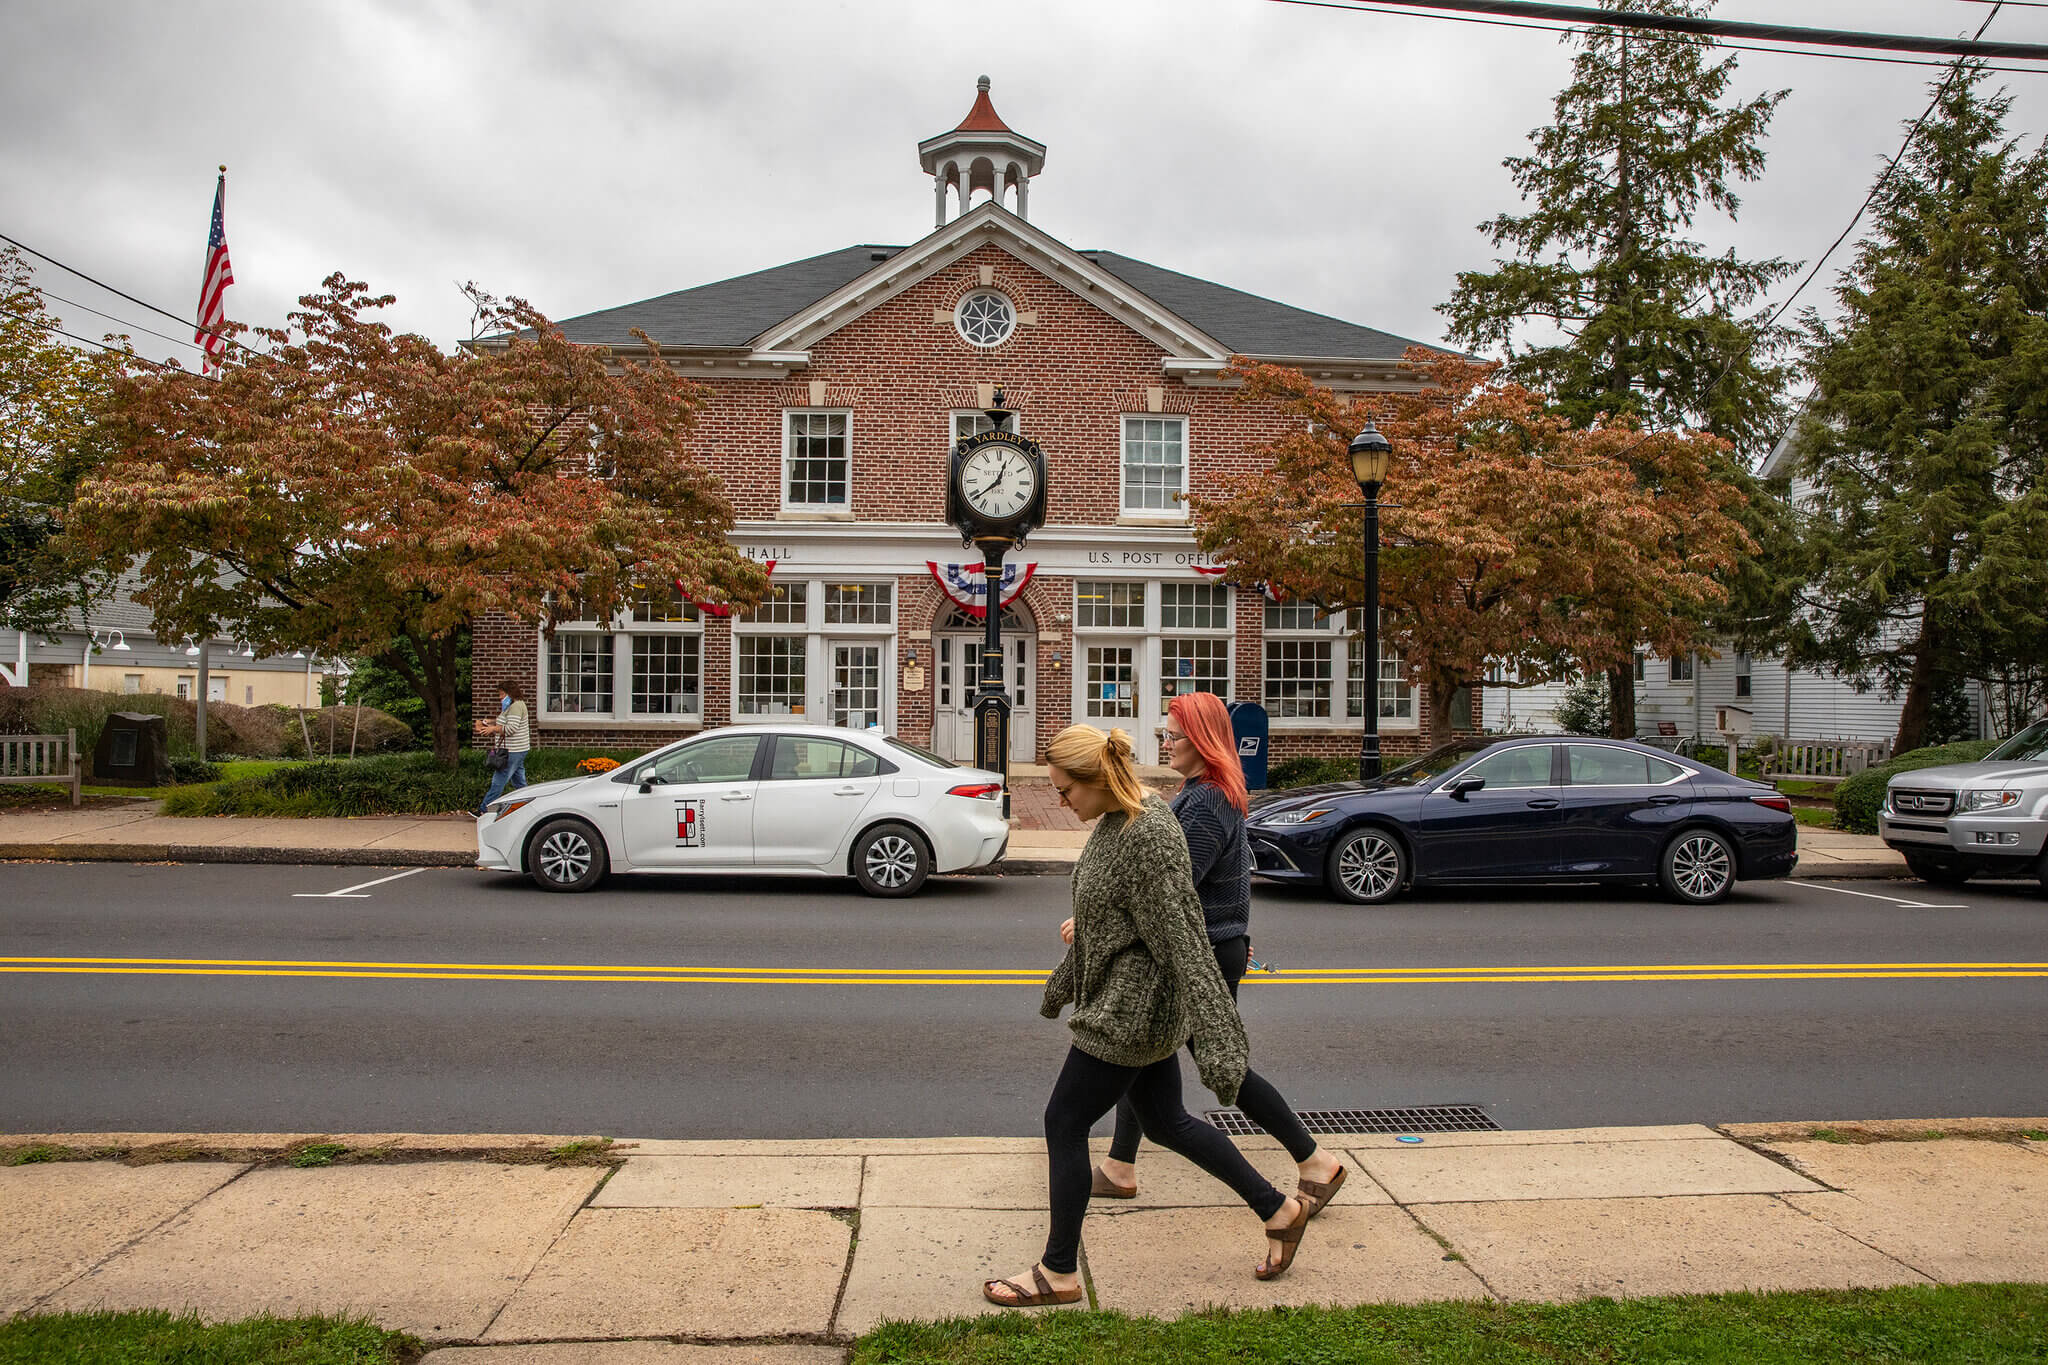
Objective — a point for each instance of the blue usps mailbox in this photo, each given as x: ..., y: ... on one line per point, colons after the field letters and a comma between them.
x: 1248, y: 723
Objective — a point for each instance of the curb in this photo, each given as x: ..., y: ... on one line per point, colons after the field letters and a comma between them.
x: 204, y: 853
x: 1851, y: 872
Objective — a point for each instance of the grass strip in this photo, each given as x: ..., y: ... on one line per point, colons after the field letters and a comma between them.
x: 1923, y: 1324
x: 152, y: 1337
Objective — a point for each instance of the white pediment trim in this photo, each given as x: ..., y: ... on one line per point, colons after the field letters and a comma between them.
x: 991, y: 223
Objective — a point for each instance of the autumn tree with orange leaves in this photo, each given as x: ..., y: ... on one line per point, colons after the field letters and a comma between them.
x: 345, y: 490
x: 1516, y: 535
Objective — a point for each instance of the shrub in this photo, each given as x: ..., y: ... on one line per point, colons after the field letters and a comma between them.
x: 1583, y: 710
x: 44, y: 710
x: 1857, y: 799
x: 186, y: 769
x: 331, y: 727
x: 382, y: 784
x: 1308, y: 771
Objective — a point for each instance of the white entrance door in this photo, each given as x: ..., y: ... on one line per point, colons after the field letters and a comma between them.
x: 958, y: 682
x: 855, y: 698
x: 1114, y: 689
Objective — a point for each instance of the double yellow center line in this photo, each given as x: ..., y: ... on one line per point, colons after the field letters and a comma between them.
x: 998, y: 976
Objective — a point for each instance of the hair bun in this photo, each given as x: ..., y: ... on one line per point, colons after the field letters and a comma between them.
x: 1119, y: 743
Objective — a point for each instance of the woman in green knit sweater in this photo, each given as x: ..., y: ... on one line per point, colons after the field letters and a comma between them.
x: 1143, y: 983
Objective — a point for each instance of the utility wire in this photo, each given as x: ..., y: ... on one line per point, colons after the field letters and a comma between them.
x: 140, y: 303
x: 136, y: 326
x: 1654, y: 37
x: 1732, y: 28
x: 117, y: 350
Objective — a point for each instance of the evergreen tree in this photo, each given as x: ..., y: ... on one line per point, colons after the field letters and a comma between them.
x: 1604, y: 302
x: 1926, y: 532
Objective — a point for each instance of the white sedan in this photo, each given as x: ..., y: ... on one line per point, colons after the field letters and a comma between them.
x: 786, y: 799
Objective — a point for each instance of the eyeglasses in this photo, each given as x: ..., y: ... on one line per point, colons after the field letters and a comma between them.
x: 1171, y: 736
x: 1063, y: 790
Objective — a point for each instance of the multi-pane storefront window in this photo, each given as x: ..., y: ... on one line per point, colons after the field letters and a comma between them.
x: 667, y: 675
x: 580, y: 673
x: 1194, y: 606
x: 1298, y: 678
x: 1110, y: 604
x: 1397, y: 698
x: 1111, y: 677
x: 1196, y: 665
x: 785, y: 604
x: 858, y: 604
x: 1296, y: 616
x: 768, y: 672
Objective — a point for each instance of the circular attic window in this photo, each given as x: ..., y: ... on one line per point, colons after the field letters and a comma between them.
x: 985, y: 318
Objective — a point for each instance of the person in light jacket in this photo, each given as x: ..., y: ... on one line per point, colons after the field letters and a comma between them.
x: 511, y: 730
x: 1143, y: 984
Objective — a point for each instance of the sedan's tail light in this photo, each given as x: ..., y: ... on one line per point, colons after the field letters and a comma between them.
x: 1774, y: 803
x: 982, y: 791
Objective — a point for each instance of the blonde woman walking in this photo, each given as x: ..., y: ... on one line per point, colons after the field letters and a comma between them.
x: 1143, y: 983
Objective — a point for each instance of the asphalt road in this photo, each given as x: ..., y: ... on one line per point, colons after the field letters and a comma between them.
x: 197, y: 998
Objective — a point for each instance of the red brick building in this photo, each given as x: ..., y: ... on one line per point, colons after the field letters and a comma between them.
x: 840, y: 385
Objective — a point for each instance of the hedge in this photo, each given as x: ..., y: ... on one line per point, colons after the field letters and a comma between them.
x: 388, y: 784
x: 1857, y: 799
x: 241, y: 731
x: 1308, y: 771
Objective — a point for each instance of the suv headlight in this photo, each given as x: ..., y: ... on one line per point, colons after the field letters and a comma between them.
x: 1987, y: 799
x: 1293, y: 817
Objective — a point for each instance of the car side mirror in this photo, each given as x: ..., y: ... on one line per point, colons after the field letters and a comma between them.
x: 1461, y: 786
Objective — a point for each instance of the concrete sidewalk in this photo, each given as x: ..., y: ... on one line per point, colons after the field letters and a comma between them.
x: 783, y: 1251
x: 137, y: 834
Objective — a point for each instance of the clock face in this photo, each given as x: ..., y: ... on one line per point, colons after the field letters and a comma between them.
x: 998, y: 481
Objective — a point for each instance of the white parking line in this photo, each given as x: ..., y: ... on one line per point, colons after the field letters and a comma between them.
x: 352, y: 892
x: 1872, y: 895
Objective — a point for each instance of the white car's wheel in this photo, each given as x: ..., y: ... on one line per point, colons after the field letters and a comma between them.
x: 891, y: 860
x: 1367, y: 867
x: 566, y: 855
x: 1698, y: 867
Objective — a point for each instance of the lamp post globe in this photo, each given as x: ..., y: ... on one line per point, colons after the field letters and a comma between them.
x: 1371, y: 453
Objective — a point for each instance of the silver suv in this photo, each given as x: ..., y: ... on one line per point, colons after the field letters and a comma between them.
x: 1991, y: 816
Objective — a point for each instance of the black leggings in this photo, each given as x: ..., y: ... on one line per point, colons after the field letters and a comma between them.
x: 1261, y: 1103
x: 1085, y: 1091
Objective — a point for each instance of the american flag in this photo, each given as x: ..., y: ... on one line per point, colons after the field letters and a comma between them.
x: 214, y: 287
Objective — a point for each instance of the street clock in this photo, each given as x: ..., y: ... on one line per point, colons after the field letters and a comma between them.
x: 995, y: 490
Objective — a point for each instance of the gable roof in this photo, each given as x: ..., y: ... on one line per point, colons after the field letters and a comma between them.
x: 1249, y: 324
x: 729, y: 313
x: 735, y: 313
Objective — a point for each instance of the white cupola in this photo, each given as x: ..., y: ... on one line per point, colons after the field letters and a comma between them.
x: 981, y: 154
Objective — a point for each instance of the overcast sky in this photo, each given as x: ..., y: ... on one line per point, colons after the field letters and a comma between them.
x: 585, y: 156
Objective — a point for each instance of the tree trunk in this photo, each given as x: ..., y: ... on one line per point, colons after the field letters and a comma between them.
x: 441, y: 701
x: 1441, y: 687
x: 1621, y: 701
x: 1913, y: 716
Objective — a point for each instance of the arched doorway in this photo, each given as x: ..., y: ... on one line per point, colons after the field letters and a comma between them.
x: 956, y: 673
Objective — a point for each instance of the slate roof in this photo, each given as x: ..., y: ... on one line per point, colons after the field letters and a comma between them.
x: 732, y: 312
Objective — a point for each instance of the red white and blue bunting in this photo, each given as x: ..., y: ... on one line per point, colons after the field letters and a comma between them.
x: 967, y: 586
x: 720, y: 608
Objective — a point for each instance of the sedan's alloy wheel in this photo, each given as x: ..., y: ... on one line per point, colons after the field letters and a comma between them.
x: 565, y: 857
x: 891, y: 861
x: 1370, y: 867
x: 1700, y: 867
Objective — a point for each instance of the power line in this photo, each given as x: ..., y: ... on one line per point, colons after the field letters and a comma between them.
x: 166, y: 336
x: 88, y: 341
x: 140, y: 303
x: 1733, y: 28
x: 1653, y: 37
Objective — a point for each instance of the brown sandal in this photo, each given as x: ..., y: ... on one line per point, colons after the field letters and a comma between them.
x: 1025, y: 1298
x: 1316, y: 1193
x: 1105, y: 1188
x: 1289, y: 1239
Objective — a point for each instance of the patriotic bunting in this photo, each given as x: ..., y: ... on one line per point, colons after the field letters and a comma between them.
x: 966, y: 584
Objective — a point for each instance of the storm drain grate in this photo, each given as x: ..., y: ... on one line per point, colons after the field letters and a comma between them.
x: 1425, y: 1118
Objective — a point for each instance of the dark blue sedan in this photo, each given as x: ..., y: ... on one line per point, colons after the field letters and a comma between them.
x: 1533, y: 808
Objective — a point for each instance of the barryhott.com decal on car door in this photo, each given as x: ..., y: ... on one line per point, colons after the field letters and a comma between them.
x: 690, y: 823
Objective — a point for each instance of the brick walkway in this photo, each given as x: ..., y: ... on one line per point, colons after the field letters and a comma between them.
x: 1035, y: 805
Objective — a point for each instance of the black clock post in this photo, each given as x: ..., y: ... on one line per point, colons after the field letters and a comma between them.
x: 995, y: 497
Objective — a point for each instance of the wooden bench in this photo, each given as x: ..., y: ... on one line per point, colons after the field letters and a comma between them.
x: 48, y: 760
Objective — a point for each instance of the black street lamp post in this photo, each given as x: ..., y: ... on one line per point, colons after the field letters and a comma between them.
x: 1370, y: 454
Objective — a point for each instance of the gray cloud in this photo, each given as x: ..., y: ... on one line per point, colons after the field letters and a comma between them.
x: 584, y: 157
